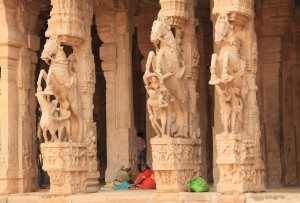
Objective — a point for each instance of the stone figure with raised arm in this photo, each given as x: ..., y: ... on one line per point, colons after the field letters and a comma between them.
x: 170, y: 70
x: 227, y: 74
x: 61, y: 81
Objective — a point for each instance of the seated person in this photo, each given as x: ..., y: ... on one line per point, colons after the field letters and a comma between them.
x: 145, y: 179
x: 122, y: 177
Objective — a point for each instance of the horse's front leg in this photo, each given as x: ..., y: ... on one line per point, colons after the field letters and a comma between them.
x: 225, y: 77
x: 158, y: 61
x: 44, y: 75
x: 48, y: 81
x: 151, y: 60
x: 214, y: 80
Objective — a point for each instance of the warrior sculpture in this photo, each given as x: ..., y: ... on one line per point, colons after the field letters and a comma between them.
x: 227, y: 74
x: 61, y: 82
x: 168, y: 102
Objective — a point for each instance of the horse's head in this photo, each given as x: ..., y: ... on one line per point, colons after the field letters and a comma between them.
x: 222, y: 28
x: 50, y: 48
x: 159, y: 29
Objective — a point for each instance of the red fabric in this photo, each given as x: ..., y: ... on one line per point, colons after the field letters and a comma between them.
x: 149, y: 180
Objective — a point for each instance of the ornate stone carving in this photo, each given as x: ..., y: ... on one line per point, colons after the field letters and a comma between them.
x: 233, y: 73
x: 61, y: 81
x: 27, y: 153
x: 66, y: 20
x: 165, y: 83
x: 66, y: 165
x: 174, y: 163
x: 227, y: 74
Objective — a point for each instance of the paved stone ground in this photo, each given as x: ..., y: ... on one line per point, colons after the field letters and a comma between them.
x: 272, y: 195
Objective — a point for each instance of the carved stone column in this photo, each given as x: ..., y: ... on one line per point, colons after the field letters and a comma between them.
x: 71, y: 22
x: 233, y: 73
x: 114, y: 30
x: 172, y: 102
x: 18, y: 58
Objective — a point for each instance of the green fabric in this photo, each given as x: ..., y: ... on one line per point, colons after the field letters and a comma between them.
x: 198, y: 184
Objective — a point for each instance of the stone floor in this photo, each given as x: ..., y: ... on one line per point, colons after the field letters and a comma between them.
x: 272, y: 195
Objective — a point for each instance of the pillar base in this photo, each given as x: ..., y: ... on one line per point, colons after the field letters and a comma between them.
x: 66, y: 165
x: 174, y: 163
x: 241, y: 168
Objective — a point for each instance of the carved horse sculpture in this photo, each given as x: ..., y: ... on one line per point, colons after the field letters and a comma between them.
x: 51, y: 123
x: 61, y: 82
x: 227, y: 69
x: 166, y: 62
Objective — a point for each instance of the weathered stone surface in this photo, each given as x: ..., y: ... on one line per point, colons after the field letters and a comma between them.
x: 173, y: 163
x: 66, y: 165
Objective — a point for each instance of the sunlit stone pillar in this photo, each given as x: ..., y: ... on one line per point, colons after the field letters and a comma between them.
x: 170, y: 80
x: 71, y: 22
x: 114, y: 29
x: 18, y: 58
x: 233, y: 73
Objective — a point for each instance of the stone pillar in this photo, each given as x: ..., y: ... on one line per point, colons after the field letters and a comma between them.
x: 174, y: 163
x: 273, y: 50
x: 233, y: 73
x: 18, y: 57
x: 76, y: 32
x: 114, y: 30
x: 170, y: 79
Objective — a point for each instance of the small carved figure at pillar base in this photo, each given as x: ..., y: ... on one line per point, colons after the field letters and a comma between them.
x: 66, y: 165
x: 174, y: 163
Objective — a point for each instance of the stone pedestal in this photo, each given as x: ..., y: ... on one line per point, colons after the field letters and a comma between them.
x: 239, y: 165
x: 66, y: 166
x: 174, y: 163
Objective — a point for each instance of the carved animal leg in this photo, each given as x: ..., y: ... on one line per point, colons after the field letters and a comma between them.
x: 44, y: 75
x: 68, y: 130
x: 48, y: 82
x: 60, y: 132
x: 53, y: 135
x: 214, y: 80
x: 45, y: 135
x: 159, y: 57
x: 151, y: 60
x: 225, y: 77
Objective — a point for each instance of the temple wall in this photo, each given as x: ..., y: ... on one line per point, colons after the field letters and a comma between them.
x: 19, y: 44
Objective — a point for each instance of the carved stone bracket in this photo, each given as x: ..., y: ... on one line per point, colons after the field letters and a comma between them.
x: 174, y: 163
x: 66, y: 164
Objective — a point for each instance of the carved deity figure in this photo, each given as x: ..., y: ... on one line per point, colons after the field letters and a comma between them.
x: 169, y: 102
x: 61, y: 81
x: 157, y: 106
x: 227, y: 74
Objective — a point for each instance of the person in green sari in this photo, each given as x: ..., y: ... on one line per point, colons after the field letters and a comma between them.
x: 122, y: 177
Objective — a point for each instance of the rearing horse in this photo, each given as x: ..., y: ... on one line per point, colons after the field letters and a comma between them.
x: 166, y: 62
x: 228, y: 73
x: 61, y: 82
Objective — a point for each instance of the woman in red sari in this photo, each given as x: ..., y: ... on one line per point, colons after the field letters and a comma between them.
x: 145, y: 179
